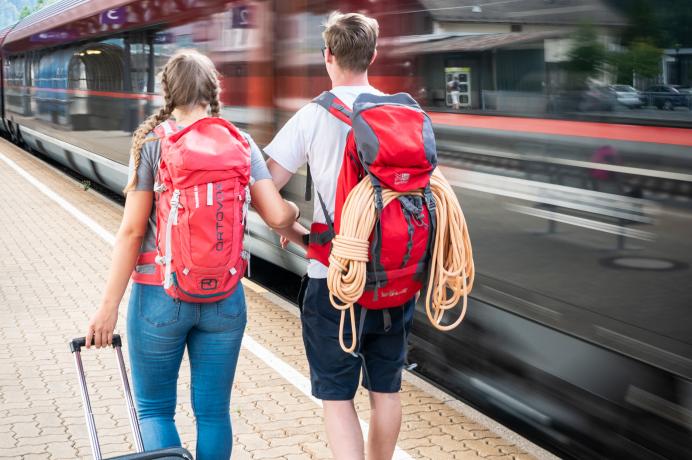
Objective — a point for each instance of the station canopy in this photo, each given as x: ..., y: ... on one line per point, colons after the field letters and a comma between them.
x: 449, y: 43
x: 550, y: 12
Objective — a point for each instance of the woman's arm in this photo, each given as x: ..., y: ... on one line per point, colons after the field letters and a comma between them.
x: 272, y: 208
x: 125, y: 252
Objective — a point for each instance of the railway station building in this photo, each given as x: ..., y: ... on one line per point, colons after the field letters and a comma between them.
x: 507, y: 57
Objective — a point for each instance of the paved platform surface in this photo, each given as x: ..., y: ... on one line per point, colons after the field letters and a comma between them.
x: 52, y: 270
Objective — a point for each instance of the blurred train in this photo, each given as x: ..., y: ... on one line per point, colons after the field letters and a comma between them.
x: 579, y: 333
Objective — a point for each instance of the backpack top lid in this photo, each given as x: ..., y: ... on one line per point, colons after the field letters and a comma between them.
x: 395, y: 140
x: 208, y: 150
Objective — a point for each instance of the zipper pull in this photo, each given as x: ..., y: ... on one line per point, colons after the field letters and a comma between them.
x: 245, y: 255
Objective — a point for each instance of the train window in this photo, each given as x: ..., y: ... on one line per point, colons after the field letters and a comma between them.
x: 14, y: 70
x: 97, y: 66
x: 139, y: 51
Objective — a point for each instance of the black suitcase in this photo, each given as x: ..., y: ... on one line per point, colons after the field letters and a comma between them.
x: 175, y: 453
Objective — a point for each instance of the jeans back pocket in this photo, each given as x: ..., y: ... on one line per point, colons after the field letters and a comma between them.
x: 156, y: 307
x: 232, y: 306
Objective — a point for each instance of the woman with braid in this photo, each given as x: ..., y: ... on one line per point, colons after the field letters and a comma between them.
x: 159, y: 328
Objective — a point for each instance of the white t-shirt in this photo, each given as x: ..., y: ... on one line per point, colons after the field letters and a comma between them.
x: 318, y: 138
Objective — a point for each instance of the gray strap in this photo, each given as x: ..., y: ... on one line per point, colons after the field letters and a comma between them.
x: 167, y: 128
x: 432, y: 211
x: 327, y: 218
x: 324, y: 237
x: 359, y: 353
x: 308, y: 184
x: 321, y: 238
x: 327, y: 100
x: 412, y: 209
x: 361, y: 324
x: 376, y: 246
x: 387, y: 317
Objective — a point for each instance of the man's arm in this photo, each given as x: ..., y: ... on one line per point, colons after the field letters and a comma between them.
x: 294, y: 234
x: 280, y: 175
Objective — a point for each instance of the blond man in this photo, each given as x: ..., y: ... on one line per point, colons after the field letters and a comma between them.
x: 316, y: 137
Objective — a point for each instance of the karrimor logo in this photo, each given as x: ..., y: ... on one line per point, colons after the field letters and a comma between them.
x: 401, y: 178
x: 394, y: 292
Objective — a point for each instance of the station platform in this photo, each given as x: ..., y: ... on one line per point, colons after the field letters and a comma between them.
x: 55, y: 245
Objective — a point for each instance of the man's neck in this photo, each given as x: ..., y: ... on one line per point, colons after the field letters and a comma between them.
x: 350, y: 79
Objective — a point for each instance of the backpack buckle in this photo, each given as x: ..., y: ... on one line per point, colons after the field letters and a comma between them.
x: 175, y: 199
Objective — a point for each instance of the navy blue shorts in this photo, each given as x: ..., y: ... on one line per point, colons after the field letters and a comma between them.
x: 335, y: 374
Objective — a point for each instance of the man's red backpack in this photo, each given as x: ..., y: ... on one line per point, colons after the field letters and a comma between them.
x: 202, y: 200
x: 392, y: 143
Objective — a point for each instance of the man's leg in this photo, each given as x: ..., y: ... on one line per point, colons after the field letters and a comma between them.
x: 334, y: 374
x: 385, y: 423
x: 343, y: 430
x: 384, y: 345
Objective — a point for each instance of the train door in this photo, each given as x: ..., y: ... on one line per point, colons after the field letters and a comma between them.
x: 95, y: 70
x: 458, y: 86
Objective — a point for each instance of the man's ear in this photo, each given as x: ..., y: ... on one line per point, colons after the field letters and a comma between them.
x: 329, y: 56
x: 374, y: 56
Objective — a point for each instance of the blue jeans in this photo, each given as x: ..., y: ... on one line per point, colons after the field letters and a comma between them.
x: 158, y: 330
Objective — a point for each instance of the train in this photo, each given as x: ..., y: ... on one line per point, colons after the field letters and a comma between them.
x: 578, y: 330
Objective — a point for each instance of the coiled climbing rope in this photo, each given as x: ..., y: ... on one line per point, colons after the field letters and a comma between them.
x: 451, y: 263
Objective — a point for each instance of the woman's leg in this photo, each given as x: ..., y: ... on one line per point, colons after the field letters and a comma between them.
x: 213, y: 347
x: 157, y: 327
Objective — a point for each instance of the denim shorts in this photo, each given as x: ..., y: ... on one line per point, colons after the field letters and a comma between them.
x: 334, y: 374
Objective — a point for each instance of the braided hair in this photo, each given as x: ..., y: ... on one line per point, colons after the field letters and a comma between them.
x: 188, y: 79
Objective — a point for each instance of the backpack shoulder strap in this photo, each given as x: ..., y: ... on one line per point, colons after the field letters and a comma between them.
x: 165, y: 129
x: 334, y: 106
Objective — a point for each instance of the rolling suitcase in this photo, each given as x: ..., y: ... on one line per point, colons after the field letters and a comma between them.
x: 172, y: 453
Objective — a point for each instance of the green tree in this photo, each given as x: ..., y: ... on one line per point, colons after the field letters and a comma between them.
x: 646, y: 59
x: 661, y: 22
x: 26, y: 11
x: 586, y: 57
x: 642, y: 59
x: 587, y: 54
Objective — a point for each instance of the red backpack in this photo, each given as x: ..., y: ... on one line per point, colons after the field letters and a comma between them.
x: 391, y: 142
x: 201, y: 206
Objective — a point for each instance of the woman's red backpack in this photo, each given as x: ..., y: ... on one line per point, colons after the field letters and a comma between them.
x: 201, y: 206
x: 392, y: 143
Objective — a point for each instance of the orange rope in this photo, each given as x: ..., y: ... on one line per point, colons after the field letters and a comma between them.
x: 451, y: 264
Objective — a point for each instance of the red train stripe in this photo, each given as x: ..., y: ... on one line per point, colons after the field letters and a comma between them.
x: 633, y: 133
x: 89, y: 92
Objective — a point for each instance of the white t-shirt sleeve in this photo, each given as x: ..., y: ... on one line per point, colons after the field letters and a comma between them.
x: 291, y: 144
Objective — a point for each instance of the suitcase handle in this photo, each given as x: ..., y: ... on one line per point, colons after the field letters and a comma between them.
x: 76, y: 348
x: 79, y: 342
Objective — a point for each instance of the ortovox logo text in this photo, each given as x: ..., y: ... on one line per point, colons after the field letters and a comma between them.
x: 208, y: 284
x: 219, y: 218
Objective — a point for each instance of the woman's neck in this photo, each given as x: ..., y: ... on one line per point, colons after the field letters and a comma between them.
x: 186, y: 116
